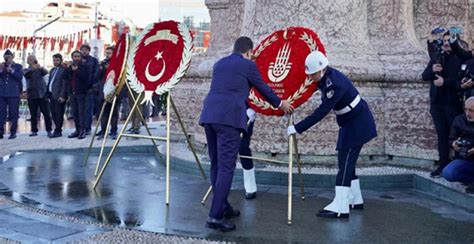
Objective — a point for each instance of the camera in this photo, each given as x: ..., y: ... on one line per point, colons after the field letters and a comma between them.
x: 435, y: 50
x: 464, y: 146
x: 466, y: 73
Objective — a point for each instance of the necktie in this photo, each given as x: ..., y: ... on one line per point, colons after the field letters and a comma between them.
x: 52, y: 79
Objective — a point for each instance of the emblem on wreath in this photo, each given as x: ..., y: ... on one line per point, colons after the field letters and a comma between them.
x: 159, y: 58
x: 280, y: 59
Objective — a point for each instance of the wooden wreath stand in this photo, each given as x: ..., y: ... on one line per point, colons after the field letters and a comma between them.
x: 292, y: 149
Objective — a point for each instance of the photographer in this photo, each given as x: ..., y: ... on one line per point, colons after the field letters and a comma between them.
x: 462, y: 141
x: 36, y: 92
x: 442, y: 72
x: 11, y: 75
x: 77, y: 77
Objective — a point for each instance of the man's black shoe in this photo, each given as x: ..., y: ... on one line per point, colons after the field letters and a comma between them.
x: 357, y: 206
x: 98, y: 133
x: 100, y: 137
x: 220, y: 224
x: 12, y: 136
x: 436, y: 173
x: 74, y: 134
x: 49, y: 134
x: 34, y: 134
x: 82, y: 135
x: 87, y: 132
x: 113, y: 136
x: 232, y: 213
x: 1, y: 136
x: 249, y: 196
x: 56, y: 134
x: 470, y: 188
x: 331, y: 214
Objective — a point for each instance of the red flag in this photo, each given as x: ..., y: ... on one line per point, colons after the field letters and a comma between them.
x: 79, y: 40
x: 61, y: 43
x: 52, y: 42
x: 71, y: 42
x: 45, y: 42
x: 25, y: 42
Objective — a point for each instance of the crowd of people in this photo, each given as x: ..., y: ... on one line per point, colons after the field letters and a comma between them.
x: 76, y: 84
x: 450, y: 73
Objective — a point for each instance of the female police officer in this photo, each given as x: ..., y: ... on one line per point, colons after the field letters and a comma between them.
x: 356, y: 127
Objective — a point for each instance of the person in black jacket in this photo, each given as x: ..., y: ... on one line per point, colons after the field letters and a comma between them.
x: 466, y: 74
x: 77, y: 77
x: 461, y: 139
x: 36, y: 91
x: 445, y: 103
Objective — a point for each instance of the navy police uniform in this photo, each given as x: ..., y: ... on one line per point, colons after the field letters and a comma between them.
x: 10, y: 89
x: 224, y: 118
x: 356, y: 123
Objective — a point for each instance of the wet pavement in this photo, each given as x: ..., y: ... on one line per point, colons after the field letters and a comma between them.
x: 132, y: 195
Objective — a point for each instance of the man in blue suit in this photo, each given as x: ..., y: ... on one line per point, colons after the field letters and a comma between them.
x: 356, y: 127
x: 224, y: 118
x: 11, y: 74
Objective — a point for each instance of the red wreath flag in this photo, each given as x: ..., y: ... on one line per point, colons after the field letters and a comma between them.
x: 160, y: 58
x: 114, y: 74
x: 280, y: 58
x: 1, y: 42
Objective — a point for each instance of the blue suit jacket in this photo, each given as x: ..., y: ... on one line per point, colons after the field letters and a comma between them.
x: 10, y: 83
x: 232, y: 78
x: 357, y: 126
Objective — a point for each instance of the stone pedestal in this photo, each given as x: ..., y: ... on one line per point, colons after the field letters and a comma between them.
x: 380, y: 44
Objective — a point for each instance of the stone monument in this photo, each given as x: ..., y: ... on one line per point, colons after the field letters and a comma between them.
x: 380, y: 44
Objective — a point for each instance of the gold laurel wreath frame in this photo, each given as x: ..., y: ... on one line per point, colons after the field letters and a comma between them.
x: 263, y: 104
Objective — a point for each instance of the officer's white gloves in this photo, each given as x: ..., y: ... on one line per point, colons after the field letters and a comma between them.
x: 291, y: 130
x: 251, y: 114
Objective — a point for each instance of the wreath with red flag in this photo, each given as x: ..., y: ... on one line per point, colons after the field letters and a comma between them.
x: 117, y: 66
x: 160, y: 58
x: 280, y: 58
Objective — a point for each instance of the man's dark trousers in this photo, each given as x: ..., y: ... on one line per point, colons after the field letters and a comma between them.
x: 13, y: 104
x: 223, y: 145
x: 78, y: 105
x: 36, y: 105
x: 57, y: 114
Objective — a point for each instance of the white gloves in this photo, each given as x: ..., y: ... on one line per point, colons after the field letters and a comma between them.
x: 291, y: 130
x: 251, y: 114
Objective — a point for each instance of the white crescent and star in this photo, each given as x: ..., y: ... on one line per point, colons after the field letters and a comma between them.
x: 154, y: 78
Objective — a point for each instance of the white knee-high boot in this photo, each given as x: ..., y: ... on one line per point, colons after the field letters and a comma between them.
x: 356, y: 201
x: 249, y: 180
x: 339, y: 207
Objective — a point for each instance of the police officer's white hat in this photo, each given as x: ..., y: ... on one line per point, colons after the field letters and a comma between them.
x: 315, y: 62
